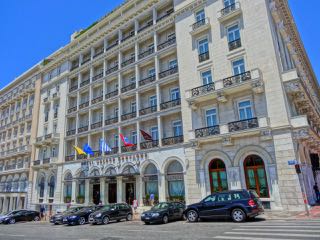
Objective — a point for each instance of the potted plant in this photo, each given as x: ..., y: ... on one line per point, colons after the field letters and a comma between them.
x: 80, y: 199
x: 67, y: 199
x: 156, y: 199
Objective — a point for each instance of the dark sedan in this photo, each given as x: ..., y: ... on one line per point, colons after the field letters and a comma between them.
x: 21, y: 215
x: 80, y: 217
x: 111, y: 212
x: 236, y: 204
x: 58, y: 218
x: 164, y: 212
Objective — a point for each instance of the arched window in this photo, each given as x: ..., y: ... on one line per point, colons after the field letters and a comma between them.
x: 67, y: 187
x: 81, y: 187
x: 23, y: 184
x: 128, y: 170
x: 255, y: 173
x: 111, y: 171
x: 151, y: 181
x: 41, y: 187
x: 175, y: 181
x: 218, y: 176
x: 15, y: 185
x: 51, y: 185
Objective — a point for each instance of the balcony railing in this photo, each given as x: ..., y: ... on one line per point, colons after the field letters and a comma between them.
x: 168, y: 72
x: 72, y: 109
x: 83, y: 129
x: 73, y: 88
x: 97, y: 77
x: 234, y: 44
x: 130, y: 35
x: 125, y: 149
x: 112, y: 69
x: 69, y: 158
x: 243, y: 124
x: 48, y: 136
x: 74, y: 66
x: 148, y: 110
x: 146, y: 53
x: 128, y: 116
x: 229, y: 9
x: 172, y: 140
x: 147, y: 80
x: 83, y: 105
x: 111, y: 94
x: 170, y: 104
x: 96, y: 125
x: 198, y: 91
x: 167, y: 43
x: 112, y: 45
x: 204, y: 57
x: 237, y: 79
x: 111, y: 121
x: 128, y: 61
x: 71, y: 132
x: 149, y: 144
x: 207, y: 131
x: 128, y: 87
x: 36, y: 162
x: 114, y: 150
x: 96, y: 100
x: 98, y: 53
x: 168, y: 13
x: 199, y: 23
x: 46, y: 161
x: 149, y: 24
x: 96, y: 154
x: 84, y: 83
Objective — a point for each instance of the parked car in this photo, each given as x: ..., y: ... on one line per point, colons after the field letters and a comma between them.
x: 80, y: 217
x: 117, y: 211
x: 57, y: 218
x: 5, y: 215
x: 164, y: 212
x: 237, y: 204
x: 21, y: 215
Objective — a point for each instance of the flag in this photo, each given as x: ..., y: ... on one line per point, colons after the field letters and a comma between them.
x: 87, y: 149
x: 103, y: 146
x: 125, y: 141
x: 79, y: 151
x: 146, y: 136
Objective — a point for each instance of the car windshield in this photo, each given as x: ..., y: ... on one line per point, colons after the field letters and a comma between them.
x: 71, y: 210
x: 107, y: 207
x: 85, y: 209
x: 161, y: 206
x: 11, y: 213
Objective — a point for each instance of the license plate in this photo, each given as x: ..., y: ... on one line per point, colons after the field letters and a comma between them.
x: 147, y: 218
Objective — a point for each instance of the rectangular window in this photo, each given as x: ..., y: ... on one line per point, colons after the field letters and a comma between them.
x: 133, y: 107
x: 173, y: 63
x: 151, y: 72
x: 175, y: 94
x: 53, y: 152
x: 116, y: 112
x: 238, y: 67
x: 211, y: 117
x: 154, y: 133
x: 55, y: 128
x: 245, y: 110
x: 116, y: 141
x: 177, y: 128
x: 233, y: 33
x: 134, y: 137
x: 200, y: 15
x: 228, y: 2
x: 153, y: 101
x: 206, y: 77
x: 203, y: 46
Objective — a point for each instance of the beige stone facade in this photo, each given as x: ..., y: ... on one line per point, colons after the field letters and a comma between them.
x: 224, y: 89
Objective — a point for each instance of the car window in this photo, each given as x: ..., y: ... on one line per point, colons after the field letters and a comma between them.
x: 222, y: 197
x: 237, y: 196
x: 210, y: 198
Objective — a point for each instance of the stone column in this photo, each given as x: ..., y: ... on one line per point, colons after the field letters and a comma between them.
x: 11, y: 203
x: 139, y: 188
x: 159, y: 130
x: 87, y: 191
x: 107, y: 193
x: 162, y: 187
x: 119, y: 189
x: 73, y: 194
x: 102, y: 190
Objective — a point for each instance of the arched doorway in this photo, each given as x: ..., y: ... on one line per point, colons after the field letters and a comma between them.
x: 175, y: 181
x: 67, y: 187
x: 112, y: 184
x: 218, y: 176
x: 51, y: 186
x: 129, y: 180
x: 150, y: 178
x: 255, y: 174
x: 81, y: 187
x: 41, y: 187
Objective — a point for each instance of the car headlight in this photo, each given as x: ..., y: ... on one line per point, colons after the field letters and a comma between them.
x: 142, y: 215
x: 98, y: 215
x: 155, y: 214
x: 73, y: 217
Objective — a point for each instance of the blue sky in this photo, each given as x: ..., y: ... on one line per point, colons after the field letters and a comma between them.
x: 33, y: 29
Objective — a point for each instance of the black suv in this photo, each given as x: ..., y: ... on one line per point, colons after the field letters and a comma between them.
x: 80, y: 217
x: 21, y: 215
x: 117, y: 211
x: 237, y: 204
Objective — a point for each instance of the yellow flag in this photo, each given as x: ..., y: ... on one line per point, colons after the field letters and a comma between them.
x: 79, y: 151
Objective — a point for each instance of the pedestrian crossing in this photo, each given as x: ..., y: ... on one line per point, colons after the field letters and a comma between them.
x: 274, y: 230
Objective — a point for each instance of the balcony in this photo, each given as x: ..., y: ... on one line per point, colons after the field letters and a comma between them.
x: 111, y: 94
x: 56, y: 95
x: 114, y: 150
x: 128, y: 87
x: 167, y: 43
x: 204, y: 89
x: 125, y: 149
x: 207, y: 131
x: 98, y: 53
x: 236, y: 79
x: 97, y: 77
x: 243, y: 124
x: 234, y: 44
x: 96, y: 125
x: 36, y: 163
x: 85, y: 60
x: 128, y: 116
x: 148, y: 110
x: 167, y: 14
x: 111, y: 121
x: 73, y: 88
x: 97, y: 99
x: 51, y: 138
x: 168, y: 72
x: 149, y: 144
x: 112, y: 69
x: 112, y: 45
x: 83, y: 105
x: 72, y: 109
x: 130, y: 35
x: 74, y: 66
x: 83, y: 129
x: 85, y: 83
x: 46, y: 161
x: 147, y: 25
x: 71, y: 132
x: 229, y: 12
x: 170, y: 104
x: 147, y: 80
x: 69, y: 158
x: 128, y: 62
x: 96, y: 154
x: 146, y: 53
x: 200, y: 26
x: 172, y: 140
x: 204, y: 57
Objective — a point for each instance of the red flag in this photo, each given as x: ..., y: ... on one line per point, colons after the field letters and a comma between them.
x: 125, y: 141
x: 146, y: 136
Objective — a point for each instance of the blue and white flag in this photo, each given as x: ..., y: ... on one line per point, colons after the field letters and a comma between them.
x: 104, y: 146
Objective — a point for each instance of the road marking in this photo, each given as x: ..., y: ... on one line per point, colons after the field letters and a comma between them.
x: 156, y: 231
x: 249, y: 238
x: 277, y: 230
x: 275, y: 234
x: 281, y: 226
x: 11, y: 235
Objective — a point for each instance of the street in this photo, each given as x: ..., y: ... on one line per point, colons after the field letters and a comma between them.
x: 259, y: 229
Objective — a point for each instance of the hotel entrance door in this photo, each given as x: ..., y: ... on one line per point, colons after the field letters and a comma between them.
x: 96, y: 193
x: 112, y: 192
x: 130, y: 193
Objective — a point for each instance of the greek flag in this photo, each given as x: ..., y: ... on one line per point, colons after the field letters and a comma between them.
x: 103, y: 146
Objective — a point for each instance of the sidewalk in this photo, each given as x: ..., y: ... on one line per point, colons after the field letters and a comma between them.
x: 314, y: 213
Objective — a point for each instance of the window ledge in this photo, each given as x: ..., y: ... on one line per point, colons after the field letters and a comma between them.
x: 236, y: 53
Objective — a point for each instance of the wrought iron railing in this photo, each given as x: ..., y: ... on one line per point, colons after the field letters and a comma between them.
x: 198, y: 91
x: 69, y: 158
x: 149, y: 144
x: 83, y: 105
x: 73, y: 88
x: 204, y: 56
x: 170, y: 104
x: 128, y: 87
x: 83, y: 129
x: 172, y: 140
x: 71, y: 132
x: 112, y: 69
x: 148, y: 110
x: 128, y: 61
x: 98, y: 53
x: 167, y: 14
x: 114, y: 150
x: 96, y: 100
x: 207, y: 131
x: 85, y: 82
x: 147, y: 80
x: 236, y: 79
x: 112, y: 45
x: 128, y: 116
x: 111, y: 121
x: 230, y: 8
x: 234, y: 44
x: 167, y: 43
x: 150, y: 23
x: 96, y: 125
x: 130, y: 35
x: 85, y: 60
x: 72, y: 109
x: 36, y: 162
x: 243, y: 124
x: 111, y: 94
x: 46, y: 161
x: 168, y: 72
x: 199, y: 23
x: 97, y: 77
x: 146, y: 53
x: 128, y: 149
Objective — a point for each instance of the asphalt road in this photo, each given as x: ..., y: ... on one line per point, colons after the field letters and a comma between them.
x: 253, y: 230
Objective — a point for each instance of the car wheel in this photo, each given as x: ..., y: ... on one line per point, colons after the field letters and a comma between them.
x: 165, y: 219
x: 192, y: 216
x: 129, y: 217
x: 12, y: 221
x: 238, y: 215
x: 105, y: 220
x: 36, y: 218
x: 82, y: 221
